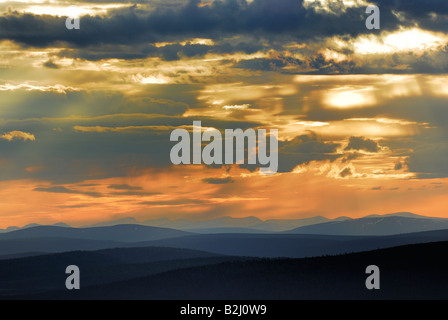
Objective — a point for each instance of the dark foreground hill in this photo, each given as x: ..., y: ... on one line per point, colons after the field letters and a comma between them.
x: 47, y: 272
x: 408, y: 272
x: 293, y: 245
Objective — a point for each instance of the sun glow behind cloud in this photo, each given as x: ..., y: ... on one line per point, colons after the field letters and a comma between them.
x: 350, y: 97
x: 74, y: 11
x: 406, y: 40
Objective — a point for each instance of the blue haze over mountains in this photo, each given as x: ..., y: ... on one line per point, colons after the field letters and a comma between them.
x: 127, y: 259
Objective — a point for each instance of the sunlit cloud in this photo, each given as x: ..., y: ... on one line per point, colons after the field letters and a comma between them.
x: 236, y: 107
x: 406, y: 40
x: 58, y: 88
x: 327, y: 7
x: 74, y: 11
x: 350, y: 97
x: 17, y: 135
x: 158, y: 79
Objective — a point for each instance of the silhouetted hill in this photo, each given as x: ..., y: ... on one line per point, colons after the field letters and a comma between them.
x: 47, y: 272
x: 407, y: 272
x: 293, y: 245
x: 128, y: 220
x: 47, y: 245
x: 272, y: 225
x: 254, y: 224
x: 229, y: 223
x: 403, y: 214
x: 234, y: 244
x: 121, y: 233
x: 227, y: 230
x: 21, y: 255
x: 256, y: 245
x: 383, y: 225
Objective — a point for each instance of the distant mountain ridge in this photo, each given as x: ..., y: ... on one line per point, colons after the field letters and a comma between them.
x: 254, y: 223
x: 121, y: 233
x: 375, y: 226
x: 237, y: 225
x: 348, y: 236
x: 32, y: 225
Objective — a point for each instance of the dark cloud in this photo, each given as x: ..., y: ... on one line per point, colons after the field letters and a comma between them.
x: 304, y: 149
x: 134, y: 193
x: 235, y: 26
x: 351, y: 156
x: 362, y: 143
x: 432, y: 62
x: 75, y: 206
x: 218, y: 180
x: 62, y: 189
x: 132, y: 25
x: 176, y: 202
x: 347, y: 171
x: 50, y: 64
x: 429, y: 160
x: 414, y: 8
x: 124, y: 187
x: 398, y: 166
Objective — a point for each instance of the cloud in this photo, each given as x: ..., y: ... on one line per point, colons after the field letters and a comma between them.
x: 124, y: 187
x: 398, y: 166
x: 50, y: 64
x: 134, y: 193
x: 177, y: 202
x: 304, y: 149
x: 351, y: 156
x: 218, y: 180
x: 18, y: 135
x: 347, y: 171
x: 127, y: 190
x: 362, y: 143
x: 429, y: 160
x: 62, y: 189
x: 236, y: 26
x: 220, y: 19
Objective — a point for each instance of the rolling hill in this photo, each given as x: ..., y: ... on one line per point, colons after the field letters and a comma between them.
x: 406, y: 272
x: 48, y: 239
x: 379, y: 226
x: 47, y: 272
x: 234, y: 244
x: 293, y: 245
x: 119, y: 233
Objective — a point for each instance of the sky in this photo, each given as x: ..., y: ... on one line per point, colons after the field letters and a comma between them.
x: 86, y: 114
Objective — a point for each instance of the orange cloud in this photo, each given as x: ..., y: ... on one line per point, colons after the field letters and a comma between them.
x: 12, y: 135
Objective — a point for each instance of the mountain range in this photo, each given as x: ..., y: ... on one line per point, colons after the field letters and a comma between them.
x: 294, y: 244
x: 254, y: 224
x: 312, y: 258
x: 415, y: 271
